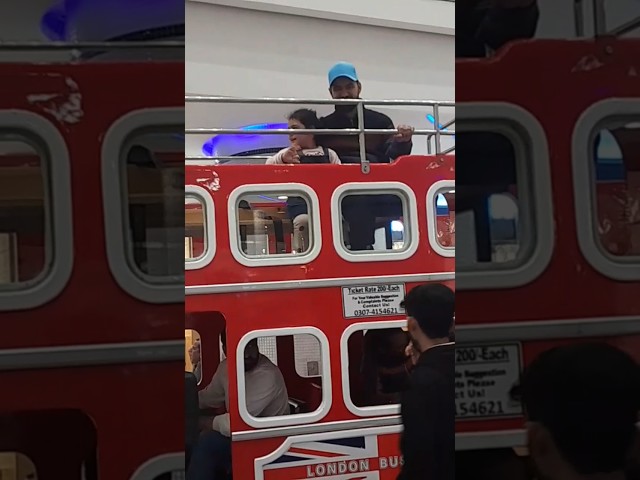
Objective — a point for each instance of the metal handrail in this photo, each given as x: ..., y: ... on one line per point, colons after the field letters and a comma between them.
x: 44, y: 46
x: 315, y: 131
x: 361, y: 131
x: 443, y: 132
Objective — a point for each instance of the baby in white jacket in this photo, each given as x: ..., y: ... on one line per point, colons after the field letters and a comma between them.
x: 303, y: 149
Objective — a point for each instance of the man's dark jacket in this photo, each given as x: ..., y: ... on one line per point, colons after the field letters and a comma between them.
x: 379, y: 148
x: 428, y: 416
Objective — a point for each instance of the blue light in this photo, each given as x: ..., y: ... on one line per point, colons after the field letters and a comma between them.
x: 55, y: 21
x: 432, y: 120
x: 241, y: 142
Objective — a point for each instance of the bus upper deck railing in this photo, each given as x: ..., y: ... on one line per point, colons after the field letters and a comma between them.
x: 436, y: 133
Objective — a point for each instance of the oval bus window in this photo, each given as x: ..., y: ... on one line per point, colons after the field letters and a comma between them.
x: 373, y: 222
x: 286, y: 377
x: 155, y: 190
x: 274, y: 224
x: 24, y: 201
x: 496, y: 233
x: 377, y: 367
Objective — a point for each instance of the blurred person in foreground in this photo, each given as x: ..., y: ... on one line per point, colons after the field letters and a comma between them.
x: 581, y: 404
x: 428, y: 406
x: 482, y: 27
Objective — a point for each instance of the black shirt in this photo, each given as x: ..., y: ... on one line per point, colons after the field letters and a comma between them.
x: 379, y: 148
x: 479, y: 26
x: 428, y: 416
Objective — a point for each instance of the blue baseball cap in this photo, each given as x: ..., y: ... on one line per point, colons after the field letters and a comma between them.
x: 342, y: 69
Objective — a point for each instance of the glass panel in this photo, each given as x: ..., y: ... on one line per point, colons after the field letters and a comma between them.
x: 292, y: 386
x: 274, y: 224
x: 374, y: 222
x: 154, y: 163
x: 488, y: 206
x: 378, y: 367
x: 24, y: 238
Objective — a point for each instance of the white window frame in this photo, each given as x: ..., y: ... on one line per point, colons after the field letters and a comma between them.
x: 59, y: 251
x: 410, y: 214
x: 209, y: 216
x: 274, y: 260
x: 621, y: 268
x: 169, y: 290
x: 432, y: 217
x: 159, y: 465
x: 375, y: 410
x: 529, y: 134
x: 285, y: 420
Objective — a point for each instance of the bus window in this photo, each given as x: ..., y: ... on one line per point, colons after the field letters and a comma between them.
x: 193, y: 353
x: 298, y: 387
x: 617, y: 190
x: 377, y: 366
x: 375, y: 222
x: 15, y: 465
x: 195, y: 241
x: 155, y: 189
x: 24, y: 200
x: 275, y: 223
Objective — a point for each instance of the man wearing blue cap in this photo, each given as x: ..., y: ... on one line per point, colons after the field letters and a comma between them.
x: 344, y: 84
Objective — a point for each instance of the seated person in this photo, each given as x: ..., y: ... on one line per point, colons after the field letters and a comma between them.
x: 303, y: 149
x: 266, y: 396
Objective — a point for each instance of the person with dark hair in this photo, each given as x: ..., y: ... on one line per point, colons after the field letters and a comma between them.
x: 266, y: 395
x: 303, y: 149
x: 581, y: 403
x: 345, y: 84
x: 428, y: 406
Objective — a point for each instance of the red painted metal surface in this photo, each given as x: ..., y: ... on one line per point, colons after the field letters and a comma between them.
x: 92, y: 308
x: 563, y: 79
x: 320, y: 307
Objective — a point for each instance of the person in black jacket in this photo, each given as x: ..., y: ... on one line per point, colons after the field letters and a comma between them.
x: 360, y: 212
x: 428, y: 406
x: 344, y: 84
